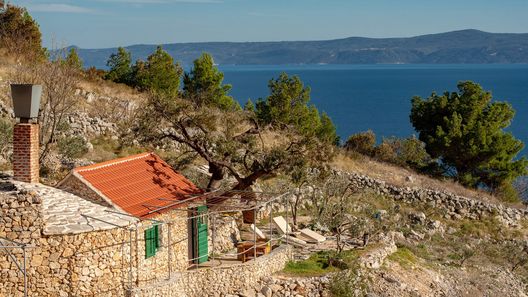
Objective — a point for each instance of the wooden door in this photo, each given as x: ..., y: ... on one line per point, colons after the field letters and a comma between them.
x: 198, y: 239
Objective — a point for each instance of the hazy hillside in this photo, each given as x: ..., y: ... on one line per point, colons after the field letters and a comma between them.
x: 466, y: 46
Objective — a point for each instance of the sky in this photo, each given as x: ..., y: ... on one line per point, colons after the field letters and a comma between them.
x: 110, y: 23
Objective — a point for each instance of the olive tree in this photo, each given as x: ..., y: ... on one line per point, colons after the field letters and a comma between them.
x: 59, y: 83
x: 231, y: 142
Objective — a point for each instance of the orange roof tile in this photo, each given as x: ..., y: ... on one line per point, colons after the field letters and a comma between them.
x: 136, y: 183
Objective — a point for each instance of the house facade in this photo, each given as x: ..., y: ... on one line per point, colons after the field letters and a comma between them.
x: 169, y: 206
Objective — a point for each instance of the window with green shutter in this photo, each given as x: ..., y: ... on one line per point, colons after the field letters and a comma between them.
x: 152, y: 241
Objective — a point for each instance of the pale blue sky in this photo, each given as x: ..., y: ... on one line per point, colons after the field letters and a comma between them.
x: 108, y: 23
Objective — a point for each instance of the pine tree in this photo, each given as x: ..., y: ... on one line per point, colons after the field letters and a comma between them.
x: 20, y: 34
x: 465, y: 129
x: 249, y: 106
x: 203, y: 85
x: 288, y: 105
x: 73, y: 60
x: 120, y: 69
x: 158, y: 74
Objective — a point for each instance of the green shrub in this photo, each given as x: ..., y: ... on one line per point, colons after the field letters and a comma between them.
x: 387, y: 150
x: 349, y: 283
x: 408, y: 152
x: 362, y: 142
x: 507, y: 193
x: 317, y: 264
x: 404, y: 256
x: 6, y: 130
x: 72, y: 146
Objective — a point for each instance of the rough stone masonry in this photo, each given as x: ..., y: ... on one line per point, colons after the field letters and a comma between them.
x: 456, y: 207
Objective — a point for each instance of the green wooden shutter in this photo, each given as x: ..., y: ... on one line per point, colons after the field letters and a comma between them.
x: 157, y: 239
x: 151, y: 241
x: 148, y: 248
x: 202, y: 234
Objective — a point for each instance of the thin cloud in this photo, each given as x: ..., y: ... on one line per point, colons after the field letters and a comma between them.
x: 60, y: 8
x: 260, y: 14
x: 165, y: 1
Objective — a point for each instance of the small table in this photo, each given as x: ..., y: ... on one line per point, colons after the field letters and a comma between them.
x: 246, y: 250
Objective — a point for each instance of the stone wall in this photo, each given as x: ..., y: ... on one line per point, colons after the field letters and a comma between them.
x: 278, y: 286
x: 20, y: 221
x: 173, y: 254
x: 226, y: 233
x: 59, y: 265
x: 218, y: 281
x: 72, y: 184
x: 80, y: 123
x: 102, y: 263
x: 455, y: 207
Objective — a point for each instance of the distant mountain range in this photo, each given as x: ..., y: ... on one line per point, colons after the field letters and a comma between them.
x: 457, y: 47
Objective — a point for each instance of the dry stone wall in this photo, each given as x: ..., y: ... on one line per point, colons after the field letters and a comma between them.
x: 80, y: 123
x: 20, y: 221
x: 456, y: 207
x: 277, y: 286
x: 219, y: 281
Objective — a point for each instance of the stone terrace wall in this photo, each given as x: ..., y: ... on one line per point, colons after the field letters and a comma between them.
x: 456, y: 207
x: 218, y: 281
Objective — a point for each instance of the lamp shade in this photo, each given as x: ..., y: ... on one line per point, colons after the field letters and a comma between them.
x: 26, y: 100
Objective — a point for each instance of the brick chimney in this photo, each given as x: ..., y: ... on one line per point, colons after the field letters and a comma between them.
x: 26, y: 100
x: 26, y: 152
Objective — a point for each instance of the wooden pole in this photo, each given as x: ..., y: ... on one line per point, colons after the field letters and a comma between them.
x: 255, y: 233
x: 169, y: 247
x: 271, y: 225
x: 25, y: 273
x: 213, y: 231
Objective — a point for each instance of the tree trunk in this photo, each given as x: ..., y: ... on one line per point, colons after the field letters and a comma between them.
x: 243, y: 185
x: 217, y: 175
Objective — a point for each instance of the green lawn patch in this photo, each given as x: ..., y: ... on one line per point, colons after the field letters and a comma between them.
x: 318, y: 264
x: 404, y: 256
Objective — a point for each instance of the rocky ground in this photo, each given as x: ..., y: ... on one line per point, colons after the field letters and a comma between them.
x: 420, y: 280
x: 423, y: 255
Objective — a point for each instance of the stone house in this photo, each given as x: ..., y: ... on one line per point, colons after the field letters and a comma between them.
x: 145, y: 187
x: 127, y: 227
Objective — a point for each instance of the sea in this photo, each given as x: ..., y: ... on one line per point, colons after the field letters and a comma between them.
x: 378, y: 97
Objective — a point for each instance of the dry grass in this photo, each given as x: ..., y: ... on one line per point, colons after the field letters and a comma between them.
x: 111, y: 89
x: 397, y: 176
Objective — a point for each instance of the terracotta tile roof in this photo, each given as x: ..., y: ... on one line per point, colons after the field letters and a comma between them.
x: 136, y: 183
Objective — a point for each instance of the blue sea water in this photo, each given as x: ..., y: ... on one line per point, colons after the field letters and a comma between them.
x: 378, y: 97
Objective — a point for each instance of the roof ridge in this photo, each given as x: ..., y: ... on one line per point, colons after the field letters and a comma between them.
x: 112, y: 162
